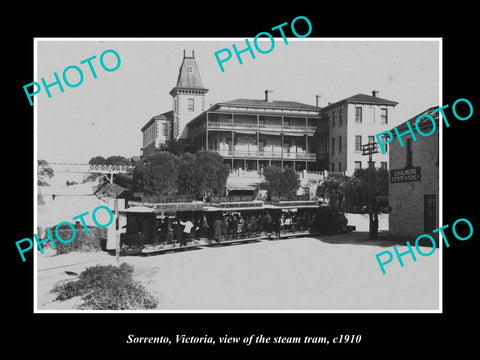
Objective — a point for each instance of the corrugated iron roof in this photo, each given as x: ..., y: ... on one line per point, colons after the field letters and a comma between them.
x: 273, y: 104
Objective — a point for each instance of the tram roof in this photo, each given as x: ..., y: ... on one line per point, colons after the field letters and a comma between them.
x: 158, y: 207
x: 139, y: 209
x: 143, y: 207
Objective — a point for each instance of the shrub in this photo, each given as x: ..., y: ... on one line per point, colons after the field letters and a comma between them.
x: 107, y: 288
x: 82, y: 242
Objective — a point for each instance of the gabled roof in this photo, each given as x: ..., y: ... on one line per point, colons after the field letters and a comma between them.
x: 424, y: 123
x: 165, y: 116
x: 363, y: 99
x: 267, y: 104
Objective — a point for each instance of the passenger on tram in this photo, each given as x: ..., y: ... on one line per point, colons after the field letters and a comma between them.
x: 167, y: 230
x: 218, y: 227
x: 187, y: 230
x: 267, y: 221
x: 252, y: 224
x: 288, y: 222
x: 277, y: 225
x: 240, y: 224
x: 178, y: 231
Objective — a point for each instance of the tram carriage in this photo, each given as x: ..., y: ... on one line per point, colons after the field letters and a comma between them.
x: 147, y: 231
x: 242, y: 221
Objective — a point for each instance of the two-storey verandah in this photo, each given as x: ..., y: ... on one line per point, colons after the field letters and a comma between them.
x: 251, y: 141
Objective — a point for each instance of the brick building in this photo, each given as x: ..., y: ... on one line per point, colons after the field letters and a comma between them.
x: 156, y: 132
x: 414, y: 180
x: 352, y: 122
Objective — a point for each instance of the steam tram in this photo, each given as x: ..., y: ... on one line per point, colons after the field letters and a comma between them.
x: 159, y: 227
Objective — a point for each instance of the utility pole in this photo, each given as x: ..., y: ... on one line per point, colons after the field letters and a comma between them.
x: 117, y: 236
x: 370, y: 149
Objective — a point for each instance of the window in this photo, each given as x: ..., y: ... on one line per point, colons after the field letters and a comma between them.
x: 333, y: 167
x: 371, y: 139
x: 358, y: 114
x: 409, y: 153
x: 339, y: 144
x: 340, y: 116
x: 339, y: 166
x: 384, y: 116
x: 358, y: 165
x: 190, y: 69
x: 385, y: 145
x: 191, y: 105
x: 333, y: 146
x: 358, y: 142
x: 429, y: 212
x: 333, y: 118
x: 165, y: 129
x: 383, y: 165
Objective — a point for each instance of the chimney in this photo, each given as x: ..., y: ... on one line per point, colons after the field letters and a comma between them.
x: 374, y: 93
x: 268, y: 96
x: 317, y: 97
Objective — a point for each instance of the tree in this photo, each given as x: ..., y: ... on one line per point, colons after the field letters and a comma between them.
x: 273, y: 179
x: 380, y: 179
x: 211, y: 173
x: 335, y: 187
x: 117, y: 160
x: 156, y: 174
x: 201, y: 174
x: 97, y: 160
x: 280, y: 182
x: 188, y: 177
x: 44, y: 171
x: 290, y: 181
x: 124, y: 180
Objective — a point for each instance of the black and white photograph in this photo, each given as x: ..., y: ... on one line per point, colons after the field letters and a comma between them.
x: 219, y: 180
x: 247, y: 189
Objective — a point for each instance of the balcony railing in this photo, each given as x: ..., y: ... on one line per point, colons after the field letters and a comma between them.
x: 266, y: 154
x: 254, y: 126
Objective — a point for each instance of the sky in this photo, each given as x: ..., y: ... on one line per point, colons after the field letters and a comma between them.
x: 103, y: 116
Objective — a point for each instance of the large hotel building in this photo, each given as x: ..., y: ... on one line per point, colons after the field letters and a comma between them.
x: 251, y: 134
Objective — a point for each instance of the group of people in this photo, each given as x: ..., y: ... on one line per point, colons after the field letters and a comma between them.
x: 296, y: 221
x: 271, y: 223
x: 173, y: 230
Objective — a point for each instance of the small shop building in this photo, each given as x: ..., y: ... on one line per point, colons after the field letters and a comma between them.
x: 414, y: 180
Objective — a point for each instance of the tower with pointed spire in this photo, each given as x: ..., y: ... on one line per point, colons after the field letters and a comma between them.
x: 188, y: 95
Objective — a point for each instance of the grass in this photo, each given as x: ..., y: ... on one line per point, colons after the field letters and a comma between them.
x: 107, y: 288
